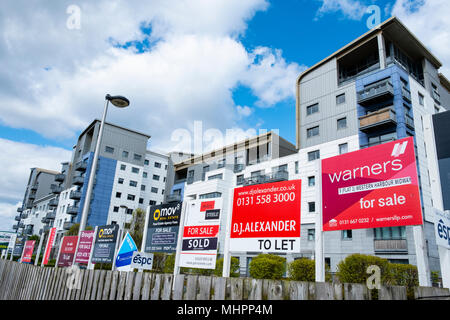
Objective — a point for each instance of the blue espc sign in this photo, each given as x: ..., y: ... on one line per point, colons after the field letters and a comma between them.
x: 126, y: 250
x: 442, y: 225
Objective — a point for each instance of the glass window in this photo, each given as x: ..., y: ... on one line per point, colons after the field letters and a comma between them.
x: 135, y: 170
x: 156, y: 177
x: 313, y: 155
x: 312, y: 109
x: 421, y: 99
x: 142, y: 187
x: 346, y: 234
x: 342, y: 123
x: 157, y: 165
x: 137, y: 157
x: 296, y: 167
x: 210, y: 195
x: 154, y: 190
x: 123, y: 167
x: 152, y: 202
x: 131, y: 197
x: 343, y: 148
x: 129, y: 211
x: 311, y: 132
x: 146, y: 162
x: 340, y: 98
x: 133, y: 183
x: 125, y: 154
x: 311, y: 181
x: 312, y: 206
x: 109, y: 149
x: 144, y: 174
x: 240, y: 179
x: 311, y: 234
x: 116, y: 209
x: 141, y: 200
x: 118, y: 194
x: 221, y: 163
x: 120, y: 181
x: 216, y: 176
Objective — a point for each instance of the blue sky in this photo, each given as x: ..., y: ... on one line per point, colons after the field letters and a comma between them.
x: 231, y: 64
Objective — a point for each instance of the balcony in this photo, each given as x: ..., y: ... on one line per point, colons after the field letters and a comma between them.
x: 15, y: 227
x: 56, y: 189
x: 394, y: 246
x: 67, y: 225
x: 60, y: 177
x: 51, y: 215
x: 35, y: 186
x: 32, y: 196
x: 80, y: 166
x: 17, y: 218
x: 73, y: 210
x: 20, y: 209
x: 53, y: 203
x: 78, y: 180
x: 44, y: 220
x: 437, y: 97
x: 406, y: 94
x: 376, y: 92
x: 274, y: 177
x: 21, y: 225
x: 378, y: 119
x: 409, y: 122
x: 24, y: 216
x: 238, y: 167
x: 46, y: 229
x: 29, y: 205
x: 173, y: 198
x: 28, y: 230
x: 75, y: 195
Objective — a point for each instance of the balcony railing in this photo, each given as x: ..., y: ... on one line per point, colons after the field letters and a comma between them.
x: 173, y: 198
x: 21, y: 225
x: 56, y: 189
x: 238, y: 167
x: 78, y: 180
x: 60, y: 177
x: 24, y: 215
x: 29, y: 205
x: 80, y: 166
x: 409, y: 122
x: 190, y: 180
x: 35, y: 186
x: 73, y: 210
x: 51, y: 215
x: 399, y: 245
x: 382, y: 117
x: 17, y: 218
x: 437, y: 97
x: 32, y: 196
x: 28, y: 231
x: 75, y: 195
x: 376, y: 143
x: 274, y: 177
x: 67, y: 225
x: 406, y: 94
x: 15, y: 227
x: 19, y: 209
x: 376, y: 92
x: 46, y: 229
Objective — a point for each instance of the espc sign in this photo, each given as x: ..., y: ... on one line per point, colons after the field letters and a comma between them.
x: 372, y: 188
x: 266, y: 218
x: 442, y: 225
x: 142, y: 260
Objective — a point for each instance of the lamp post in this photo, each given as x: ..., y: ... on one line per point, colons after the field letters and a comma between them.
x: 120, y: 102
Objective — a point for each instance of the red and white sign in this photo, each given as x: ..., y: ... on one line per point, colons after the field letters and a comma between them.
x: 85, y: 246
x: 28, y: 251
x: 67, y: 251
x: 200, y: 235
x: 48, y: 247
x: 266, y: 217
x: 372, y: 188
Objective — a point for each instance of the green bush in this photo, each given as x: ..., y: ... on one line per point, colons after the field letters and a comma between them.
x: 353, y: 269
x: 405, y: 275
x: 267, y: 266
x: 234, y: 267
x: 302, y: 270
x: 51, y: 263
x: 103, y: 266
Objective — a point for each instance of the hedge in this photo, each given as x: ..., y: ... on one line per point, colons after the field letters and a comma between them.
x: 304, y: 269
x: 267, y: 266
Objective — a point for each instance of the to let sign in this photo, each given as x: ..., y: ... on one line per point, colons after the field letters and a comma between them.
x: 266, y: 217
x: 372, y: 188
x: 67, y: 251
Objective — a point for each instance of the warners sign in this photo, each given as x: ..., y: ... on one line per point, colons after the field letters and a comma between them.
x: 372, y: 188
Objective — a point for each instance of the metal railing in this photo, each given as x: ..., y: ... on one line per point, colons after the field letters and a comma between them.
x: 281, y: 175
x: 375, y: 91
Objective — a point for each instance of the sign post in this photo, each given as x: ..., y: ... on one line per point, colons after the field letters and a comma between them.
x: 116, y: 249
x: 91, y: 265
x: 226, y: 252
x: 38, y: 253
x: 176, y: 269
x: 319, y: 256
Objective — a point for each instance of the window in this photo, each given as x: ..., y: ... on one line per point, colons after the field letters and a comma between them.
x: 156, y: 177
x: 164, y: 180
x: 382, y: 138
x: 118, y: 194
x: 312, y: 109
x: 129, y: 211
x: 311, y: 181
x: 120, y: 181
x: 436, y: 95
x: 311, y: 206
x: 124, y: 154
x: 141, y: 200
x: 296, y: 167
x: 165, y: 167
x: 340, y: 98
x: 311, y: 234
x: 144, y: 174
x: 157, y: 165
x: 137, y: 157
x: 116, y: 209
x: 162, y: 191
x: 311, y: 132
x: 216, y: 176
x: 205, y: 170
x: 123, y: 167
x: 342, y: 123
x: 390, y: 233
x: 109, y: 149
x: 421, y: 99
x: 152, y: 202
x: 142, y: 187
x: 154, y: 190
x: 346, y: 234
x: 210, y: 195
x: 240, y: 179
x: 131, y: 197
x: 221, y: 163
x: 135, y: 170
x: 146, y: 162
x: 133, y: 183
x: 313, y: 155
x: 343, y: 148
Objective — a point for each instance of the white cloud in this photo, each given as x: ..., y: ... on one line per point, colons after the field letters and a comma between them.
x: 244, y: 111
x: 351, y: 9
x: 429, y: 21
x: 16, y: 161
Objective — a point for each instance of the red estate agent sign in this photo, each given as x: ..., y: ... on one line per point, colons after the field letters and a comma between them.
x: 67, y: 253
x: 48, y: 247
x: 84, y: 247
x: 266, y: 218
x: 28, y: 251
x: 372, y: 188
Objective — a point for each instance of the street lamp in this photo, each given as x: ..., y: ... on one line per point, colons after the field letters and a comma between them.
x: 120, y: 102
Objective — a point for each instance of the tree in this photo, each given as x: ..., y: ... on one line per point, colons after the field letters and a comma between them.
x: 34, y: 237
x: 137, y: 226
x: 73, y: 231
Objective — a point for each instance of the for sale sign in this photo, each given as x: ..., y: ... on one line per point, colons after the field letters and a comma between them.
x: 372, y: 188
x: 266, y: 217
x: 105, y: 244
x: 85, y: 246
x: 67, y: 251
x: 200, y: 234
x: 28, y: 251
x: 48, y: 247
